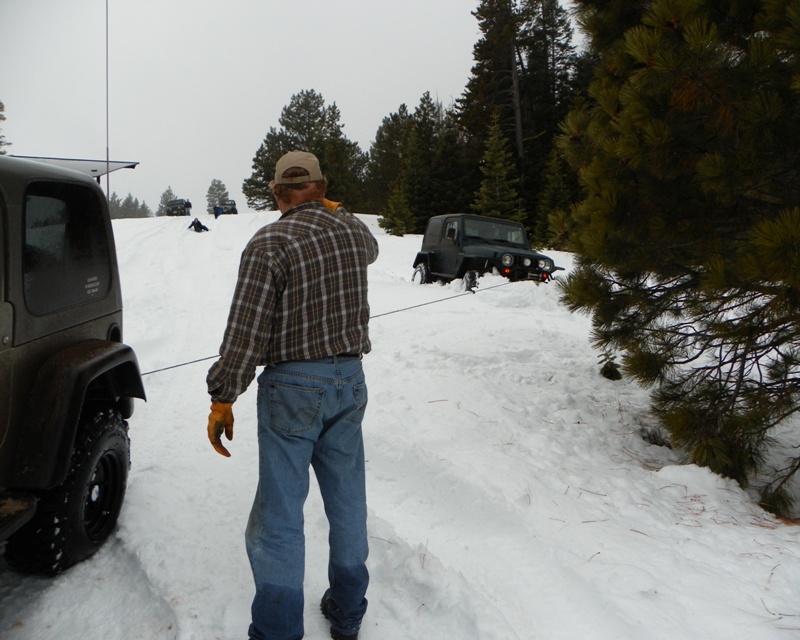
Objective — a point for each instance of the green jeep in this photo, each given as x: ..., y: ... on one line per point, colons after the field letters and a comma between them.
x: 462, y: 245
x: 176, y: 207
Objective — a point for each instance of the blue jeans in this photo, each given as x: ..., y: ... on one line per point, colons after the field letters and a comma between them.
x: 309, y: 414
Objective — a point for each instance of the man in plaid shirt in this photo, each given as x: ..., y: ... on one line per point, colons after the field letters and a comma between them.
x: 300, y: 309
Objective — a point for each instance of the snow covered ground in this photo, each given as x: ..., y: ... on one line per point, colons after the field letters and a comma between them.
x: 511, y: 496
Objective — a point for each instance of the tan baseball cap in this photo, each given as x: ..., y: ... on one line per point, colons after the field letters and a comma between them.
x: 301, y: 160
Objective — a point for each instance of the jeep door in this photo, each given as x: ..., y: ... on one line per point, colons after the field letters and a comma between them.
x: 6, y: 321
x: 450, y: 251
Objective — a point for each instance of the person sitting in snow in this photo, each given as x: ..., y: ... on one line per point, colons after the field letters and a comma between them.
x: 198, y: 226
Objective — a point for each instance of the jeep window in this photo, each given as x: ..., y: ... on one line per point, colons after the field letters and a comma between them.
x: 494, y: 231
x: 451, y: 230
x: 431, y: 238
x: 66, y: 260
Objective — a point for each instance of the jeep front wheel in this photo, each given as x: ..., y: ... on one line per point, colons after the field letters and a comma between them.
x: 471, y: 280
x: 74, y: 520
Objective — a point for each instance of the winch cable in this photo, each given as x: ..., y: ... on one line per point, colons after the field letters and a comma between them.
x: 425, y: 304
x: 379, y: 315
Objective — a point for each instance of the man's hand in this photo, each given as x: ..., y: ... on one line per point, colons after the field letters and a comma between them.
x: 220, y: 419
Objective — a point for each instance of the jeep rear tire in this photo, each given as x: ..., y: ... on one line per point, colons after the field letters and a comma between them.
x: 423, y: 273
x: 74, y: 520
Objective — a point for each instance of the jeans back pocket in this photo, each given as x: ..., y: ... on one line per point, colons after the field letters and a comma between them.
x: 293, y: 408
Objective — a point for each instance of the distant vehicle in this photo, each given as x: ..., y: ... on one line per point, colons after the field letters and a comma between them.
x: 229, y: 206
x: 176, y: 207
x: 462, y: 245
x: 67, y: 381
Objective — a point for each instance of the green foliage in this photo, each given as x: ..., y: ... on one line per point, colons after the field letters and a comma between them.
x: 559, y: 191
x: 421, y: 164
x: 729, y: 443
x: 455, y: 169
x: 127, y: 208
x: 490, y: 88
x: 497, y: 196
x: 775, y: 496
x: 217, y: 194
x: 773, y: 247
x: 385, y: 158
x: 417, y: 160
x: 309, y: 125
x: 778, y: 502
x: 688, y: 231
x: 525, y: 72
x: 398, y: 219
x: 547, y: 87
x: 168, y: 195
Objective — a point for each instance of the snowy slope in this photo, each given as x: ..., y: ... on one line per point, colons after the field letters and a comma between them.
x: 510, y: 494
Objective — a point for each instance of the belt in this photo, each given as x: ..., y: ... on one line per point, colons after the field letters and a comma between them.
x: 338, y: 356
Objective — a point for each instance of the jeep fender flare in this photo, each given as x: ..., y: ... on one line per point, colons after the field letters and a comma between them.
x: 94, y: 369
x: 479, y: 264
x: 422, y: 256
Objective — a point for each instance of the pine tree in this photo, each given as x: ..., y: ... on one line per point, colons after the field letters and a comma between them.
x: 308, y: 124
x: 397, y: 220
x: 491, y: 86
x: 689, y: 232
x: 114, y: 205
x: 128, y: 208
x: 456, y: 167
x: 547, y: 87
x: 525, y: 73
x: 216, y: 195
x: 426, y: 155
x: 385, y: 158
x: 3, y: 142
x: 559, y: 191
x: 498, y: 196
x: 417, y: 178
x: 168, y: 195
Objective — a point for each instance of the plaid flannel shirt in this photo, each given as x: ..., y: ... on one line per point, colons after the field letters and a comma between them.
x: 301, y: 295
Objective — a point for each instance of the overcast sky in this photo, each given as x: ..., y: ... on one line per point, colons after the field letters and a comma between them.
x: 195, y: 85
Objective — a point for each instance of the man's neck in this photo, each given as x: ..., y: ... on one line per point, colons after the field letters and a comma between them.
x: 305, y: 204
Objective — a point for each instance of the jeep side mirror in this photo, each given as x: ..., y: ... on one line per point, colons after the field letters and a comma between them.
x: 451, y: 233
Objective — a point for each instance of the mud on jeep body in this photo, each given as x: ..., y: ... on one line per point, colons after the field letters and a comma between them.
x: 67, y: 381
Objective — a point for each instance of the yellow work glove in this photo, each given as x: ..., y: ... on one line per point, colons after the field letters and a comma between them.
x: 220, y: 419
x: 331, y: 205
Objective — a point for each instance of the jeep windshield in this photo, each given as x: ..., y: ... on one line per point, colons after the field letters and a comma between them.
x: 494, y: 231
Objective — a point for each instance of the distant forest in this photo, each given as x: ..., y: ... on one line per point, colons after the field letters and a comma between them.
x: 491, y: 152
